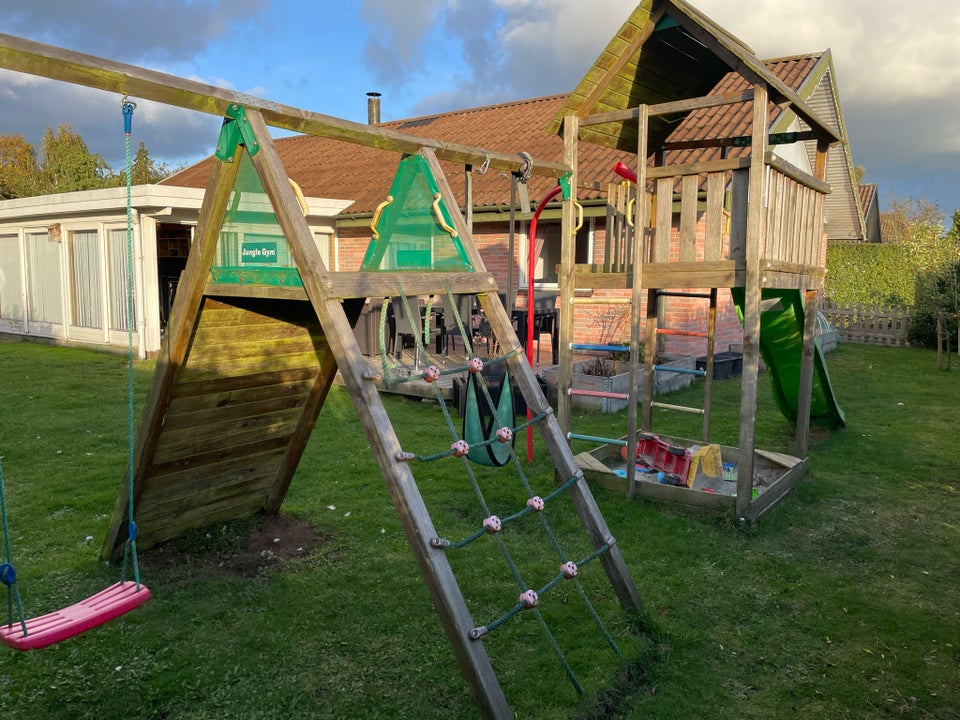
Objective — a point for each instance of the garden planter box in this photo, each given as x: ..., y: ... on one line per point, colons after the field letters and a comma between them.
x: 618, y: 382
x: 725, y: 365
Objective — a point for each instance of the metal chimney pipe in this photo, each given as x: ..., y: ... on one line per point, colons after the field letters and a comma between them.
x: 373, y: 108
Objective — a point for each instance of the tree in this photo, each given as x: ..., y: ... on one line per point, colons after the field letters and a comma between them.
x: 937, y: 317
x: 19, y: 170
x: 67, y: 165
x: 917, y: 224
x: 145, y: 170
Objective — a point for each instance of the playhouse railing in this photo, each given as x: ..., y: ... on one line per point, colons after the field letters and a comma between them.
x: 697, y: 213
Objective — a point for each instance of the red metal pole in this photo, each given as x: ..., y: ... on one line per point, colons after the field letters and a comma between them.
x: 531, y: 265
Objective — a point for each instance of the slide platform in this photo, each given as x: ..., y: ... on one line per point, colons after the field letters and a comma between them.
x: 781, y: 346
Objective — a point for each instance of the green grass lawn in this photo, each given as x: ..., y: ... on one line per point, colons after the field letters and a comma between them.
x: 843, y: 603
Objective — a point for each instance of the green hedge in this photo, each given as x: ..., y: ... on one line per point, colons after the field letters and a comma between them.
x: 871, y: 273
x: 898, y: 275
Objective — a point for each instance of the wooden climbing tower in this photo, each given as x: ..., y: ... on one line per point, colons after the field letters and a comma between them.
x: 719, y: 210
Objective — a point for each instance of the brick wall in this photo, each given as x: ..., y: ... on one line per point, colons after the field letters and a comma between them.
x: 593, y: 323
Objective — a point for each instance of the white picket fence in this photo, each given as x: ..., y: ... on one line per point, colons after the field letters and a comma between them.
x: 868, y: 324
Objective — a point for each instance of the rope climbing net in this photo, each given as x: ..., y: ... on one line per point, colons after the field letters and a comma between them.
x: 531, y: 507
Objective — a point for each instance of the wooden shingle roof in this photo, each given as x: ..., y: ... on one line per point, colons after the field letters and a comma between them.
x: 667, y: 51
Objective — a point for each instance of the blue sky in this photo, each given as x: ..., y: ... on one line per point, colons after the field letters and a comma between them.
x: 896, y: 67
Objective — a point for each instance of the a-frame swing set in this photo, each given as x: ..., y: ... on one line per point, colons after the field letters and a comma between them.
x: 251, y: 352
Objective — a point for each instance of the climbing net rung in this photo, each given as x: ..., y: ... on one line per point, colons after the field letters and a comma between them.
x: 493, y: 524
x: 529, y: 599
x: 460, y: 447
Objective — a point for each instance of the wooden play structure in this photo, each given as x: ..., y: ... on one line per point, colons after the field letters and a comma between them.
x: 706, y: 213
x: 260, y: 327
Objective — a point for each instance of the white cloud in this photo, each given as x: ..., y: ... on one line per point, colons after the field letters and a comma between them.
x: 888, y: 48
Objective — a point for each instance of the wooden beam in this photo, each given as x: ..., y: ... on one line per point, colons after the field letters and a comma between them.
x: 571, y: 138
x: 805, y: 391
x: 707, y: 166
x: 795, y: 173
x: 668, y: 108
x: 739, y: 141
x: 720, y: 273
x: 640, y: 222
x: 751, y: 307
x: 35, y: 58
x: 384, y: 284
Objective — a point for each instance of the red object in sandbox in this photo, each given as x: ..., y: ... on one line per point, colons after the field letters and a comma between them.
x: 660, y: 455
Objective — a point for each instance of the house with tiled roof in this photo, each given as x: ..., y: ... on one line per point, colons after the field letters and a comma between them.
x: 349, y: 181
x: 328, y: 168
x: 870, y: 204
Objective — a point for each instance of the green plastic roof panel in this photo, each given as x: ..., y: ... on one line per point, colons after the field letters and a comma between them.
x: 413, y: 228
x: 251, y: 249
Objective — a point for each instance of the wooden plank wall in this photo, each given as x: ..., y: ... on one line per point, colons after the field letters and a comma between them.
x: 237, y: 402
x: 794, y: 222
x: 703, y: 221
x: 619, y: 235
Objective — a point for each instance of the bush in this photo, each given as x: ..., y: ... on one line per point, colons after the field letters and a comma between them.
x: 871, y: 273
x: 937, y: 293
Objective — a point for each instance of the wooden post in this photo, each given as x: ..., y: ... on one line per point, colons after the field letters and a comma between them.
x: 708, y: 384
x: 636, y: 296
x: 809, y: 300
x: 805, y: 391
x: 751, y: 305
x: 571, y: 132
x: 650, y: 355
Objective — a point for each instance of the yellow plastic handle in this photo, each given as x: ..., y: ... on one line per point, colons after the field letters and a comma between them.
x: 436, y: 211
x: 579, y: 208
x: 300, y: 198
x: 376, y: 216
x: 629, y: 212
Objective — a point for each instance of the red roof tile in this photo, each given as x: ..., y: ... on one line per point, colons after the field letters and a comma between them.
x: 340, y: 170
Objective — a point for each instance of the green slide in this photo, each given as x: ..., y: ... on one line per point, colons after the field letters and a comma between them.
x: 781, y: 346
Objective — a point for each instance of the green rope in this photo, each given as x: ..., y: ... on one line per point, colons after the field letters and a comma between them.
x: 130, y: 547
x: 482, y: 443
x: 491, y: 626
x: 384, y: 359
x: 13, y: 592
x: 505, y: 551
x: 399, y: 380
x: 464, y: 336
x: 439, y: 542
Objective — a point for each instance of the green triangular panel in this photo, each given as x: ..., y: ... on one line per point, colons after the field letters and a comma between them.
x: 251, y: 249
x: 414, y: 231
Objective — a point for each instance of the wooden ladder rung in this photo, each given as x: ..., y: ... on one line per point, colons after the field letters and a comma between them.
x: 679, y: 408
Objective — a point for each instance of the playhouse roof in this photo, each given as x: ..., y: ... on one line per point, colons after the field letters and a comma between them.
x: 668, y: 51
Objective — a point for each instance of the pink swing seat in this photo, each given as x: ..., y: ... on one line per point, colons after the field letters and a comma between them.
x: 51, y: 628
